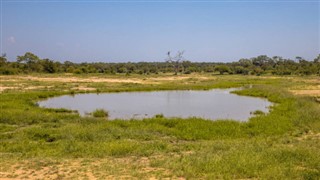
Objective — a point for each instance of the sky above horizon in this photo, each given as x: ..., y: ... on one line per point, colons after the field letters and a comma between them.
x: 122, y: 31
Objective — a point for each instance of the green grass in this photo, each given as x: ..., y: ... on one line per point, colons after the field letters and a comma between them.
x: 100, y: 113
x: 282, y: 144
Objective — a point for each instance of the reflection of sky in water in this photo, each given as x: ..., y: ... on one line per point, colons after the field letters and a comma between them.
x: 213, y: 104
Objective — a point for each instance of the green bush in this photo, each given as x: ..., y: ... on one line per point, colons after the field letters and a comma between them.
x: 159, y: 116
x: 257, y: 112
x: 100, y: 113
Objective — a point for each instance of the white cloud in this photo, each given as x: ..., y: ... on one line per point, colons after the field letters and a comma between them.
x: 12, y: 40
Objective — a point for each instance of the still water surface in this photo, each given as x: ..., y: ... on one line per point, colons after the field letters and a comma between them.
x: 212, y: 104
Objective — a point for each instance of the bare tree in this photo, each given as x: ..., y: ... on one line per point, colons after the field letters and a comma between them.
x: 176, y: 60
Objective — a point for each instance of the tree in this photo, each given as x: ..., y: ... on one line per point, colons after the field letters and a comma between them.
x: 298, y: 58
x: 245, y: 62
x: 305, y: 67
x: 176, y: 60
x: 185, y: 66
x: 49, y: 66
x: 31, y: 60
x: 28, y: 57
x: 317, y: 64
x: 3, y: 60
x: 241, y: 70
x: 257, y: 71
x: 317, y: 59
x: 222, y: 69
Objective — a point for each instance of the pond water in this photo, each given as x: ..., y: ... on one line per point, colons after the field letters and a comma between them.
x: 212, y: 104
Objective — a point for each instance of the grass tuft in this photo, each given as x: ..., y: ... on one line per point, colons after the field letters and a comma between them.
x: 100, y: 113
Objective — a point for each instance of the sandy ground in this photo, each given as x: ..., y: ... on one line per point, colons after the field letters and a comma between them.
x: 105, y: 168
x: 309, y: 90
x: 82, y: 88
x: 306, y: 92
x: 2, y: 88
x: 76, y: 79
x: 98, y: 79
x: 13, y: 82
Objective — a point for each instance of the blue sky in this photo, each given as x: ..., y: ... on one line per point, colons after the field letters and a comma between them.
x: 121, y: 31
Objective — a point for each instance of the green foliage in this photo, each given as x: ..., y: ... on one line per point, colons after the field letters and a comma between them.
x: 222, y: 69
x: 8, y: 71
x: 262, y: 64
x: 159, y: 116
x: 28, y: 58
x: 258, y: 112
x: 100, y: 113
x: 3, y: 60
x: 241, y: 70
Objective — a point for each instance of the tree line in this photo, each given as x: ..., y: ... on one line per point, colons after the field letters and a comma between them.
x: 276, y: 65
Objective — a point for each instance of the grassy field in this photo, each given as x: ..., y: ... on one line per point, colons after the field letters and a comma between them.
x: 37, y: 143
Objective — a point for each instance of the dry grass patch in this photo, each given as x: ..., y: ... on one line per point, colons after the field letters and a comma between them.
x: 105, y: 168
x: 309, y: 135
x: 3, y: 88
x: 306, y: 92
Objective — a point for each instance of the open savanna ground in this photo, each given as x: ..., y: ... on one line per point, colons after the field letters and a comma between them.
x: 38, y: 143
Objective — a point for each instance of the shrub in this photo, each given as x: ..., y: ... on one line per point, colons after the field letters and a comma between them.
x: 100, y: 113
x: 257, y: 112
x: 159, y: 116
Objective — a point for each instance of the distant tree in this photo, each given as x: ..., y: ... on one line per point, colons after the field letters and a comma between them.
x: 257, y: 71
x: 176, y: 60
x: 70, y: 69
x: 305, y: 67
x: 49, y: 66
x: 298, y: 58
x: 3, y: 60
x: 28, y: 57
x: 208, y: 68
x: 317, y: 64
x: 222, y: 69
x: 5, y: 66
x: 317, y: 59
x: 31, y: 60
x: 263, y: 64
x: 245, y: 62
x: 122, y: 70
x: 130, y: 67
x: 241, y: 70
x: 260, y: 60
x: 186, y: 65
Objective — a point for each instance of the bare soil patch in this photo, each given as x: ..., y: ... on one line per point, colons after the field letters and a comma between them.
x: 2, y: 88
x: 105, y: 168
x: 76, y: 79
x: 308, y: 92
x: 309, y: 135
